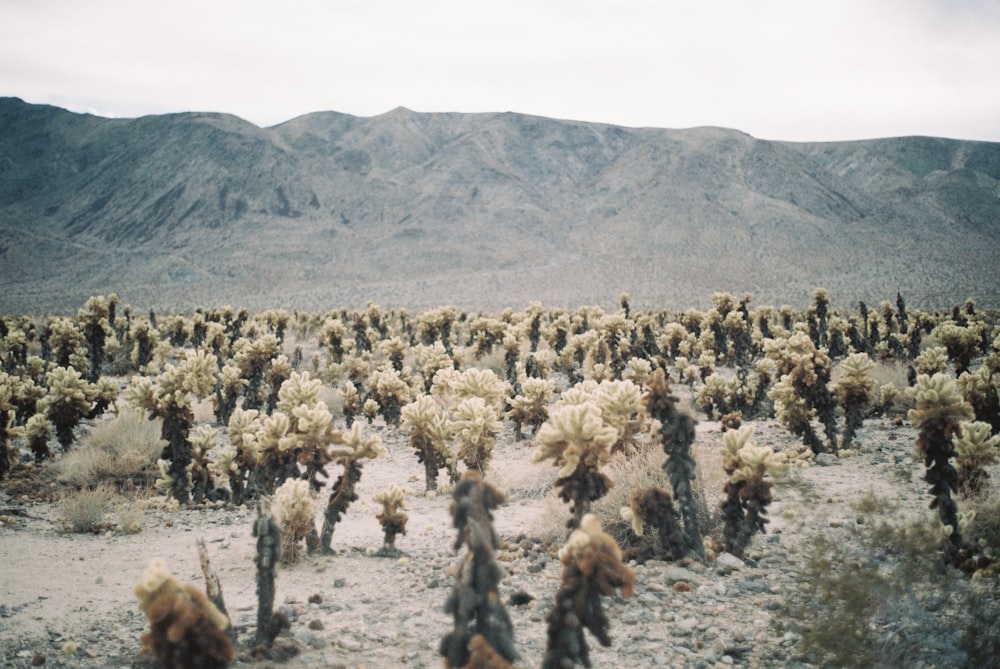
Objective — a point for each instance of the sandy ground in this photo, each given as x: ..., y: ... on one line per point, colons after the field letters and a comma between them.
x: 66, y: 600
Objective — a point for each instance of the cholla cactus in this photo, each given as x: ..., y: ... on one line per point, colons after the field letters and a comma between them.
x: 482, y: 383
x: 592, y: 568
x: 531, y: 406
x: 713, y: 396
x: 391, y: 392
x: 962, y: 343
x: 654, y: 506
x: 677, y: 433
x: 392, y: 518
x: 70, y: 398
x: 975, y: 450
x: 37, y: 431
x: 253, y: 358
x: 474, y: 603
x: 229, y: 385
x: 429, y: 436
x: 579, y: 442
x: 350, y: 451
x: 200, y: 470
x: 430, y: 360
x: 170, y: 399
x: 241, y: 461
x: 748, y: 490
x: 622, y: 408
x: 67, y: 344
x: 186, y: 629
x: 8, y: 452
x: 475, y: 424
x: 394, y: 348
x: 350, y: 401
x: 932, y: 360
x: 854, y: 393
x: 803, y: 389
x: 939, y: 410
x: 981, y: 389
x: 294, y: 507
x: 294, y: 441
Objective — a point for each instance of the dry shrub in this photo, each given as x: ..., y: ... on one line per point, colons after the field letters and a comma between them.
x: 877, y: 593
x: 124, y: 448
x: 520, y: 479
x: 130, y: 509
x: 84, y: 510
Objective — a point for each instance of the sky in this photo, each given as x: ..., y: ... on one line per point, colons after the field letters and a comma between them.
x: 797, y: 70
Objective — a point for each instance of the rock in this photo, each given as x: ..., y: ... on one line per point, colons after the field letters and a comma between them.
x: 673, y: 574
x: 727, y: 563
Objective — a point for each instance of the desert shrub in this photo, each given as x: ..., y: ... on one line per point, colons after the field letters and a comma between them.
x: 130, y: 507
x: 124, y: 448
x: 875, y: 594
x: 83, y: 510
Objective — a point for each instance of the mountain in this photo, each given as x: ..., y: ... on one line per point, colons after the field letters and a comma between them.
x: 480, y: 211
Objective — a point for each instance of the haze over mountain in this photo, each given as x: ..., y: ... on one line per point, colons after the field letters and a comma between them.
x: 480, y: 211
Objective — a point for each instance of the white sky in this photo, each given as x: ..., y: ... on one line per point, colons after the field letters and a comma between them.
x: 779, y: 69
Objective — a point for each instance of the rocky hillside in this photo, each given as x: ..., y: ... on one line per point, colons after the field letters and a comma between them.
x: 480, y: 211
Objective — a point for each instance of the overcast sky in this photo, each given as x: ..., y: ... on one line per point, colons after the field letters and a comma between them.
x: 778, y: 69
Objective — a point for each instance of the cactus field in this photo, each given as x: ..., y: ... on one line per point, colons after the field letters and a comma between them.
x: 726, y: 485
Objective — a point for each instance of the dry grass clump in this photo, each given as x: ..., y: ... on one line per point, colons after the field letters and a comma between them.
x: 84, y: 510
x: 124, y: 448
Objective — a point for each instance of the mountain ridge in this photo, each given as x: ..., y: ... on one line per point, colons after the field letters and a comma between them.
x: 484, y: 210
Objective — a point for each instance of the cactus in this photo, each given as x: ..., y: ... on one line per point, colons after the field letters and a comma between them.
x: 654, y: 506
x: 748, y: 490
x: 474, y: 603
x: 37, y: 431
x: 530, y: 407
x: 350, y: 451
x: 592, y: 567
x: 392, y: 518
x: 960, y: 341
x: 854, y: 393
x: 186, y: 629
x: 268, y: 535
x: 294, y: 508
x: 69, y: 400
x: 429, y: 435
x: 976, y: 450
x: 802, y: 390
x: 578, y: 441
x: 677, y: 433
x: 170, y: 399
x: 475, y: 424
x: 939, y: 409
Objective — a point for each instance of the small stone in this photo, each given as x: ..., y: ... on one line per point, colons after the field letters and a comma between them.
x: 37, y: 660
x: 316, y: 599
x: 316, y: 624
x: 683, y: 586
x: 727, y: 563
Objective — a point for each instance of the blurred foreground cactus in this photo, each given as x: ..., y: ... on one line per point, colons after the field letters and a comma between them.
x: 474, y: 603
x: 592, y: 568
x: 186, y: 630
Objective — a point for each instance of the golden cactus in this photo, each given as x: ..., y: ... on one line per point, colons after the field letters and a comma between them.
x: 578, y: 441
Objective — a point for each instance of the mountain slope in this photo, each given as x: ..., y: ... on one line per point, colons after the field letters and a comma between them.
x: 480, y: 210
